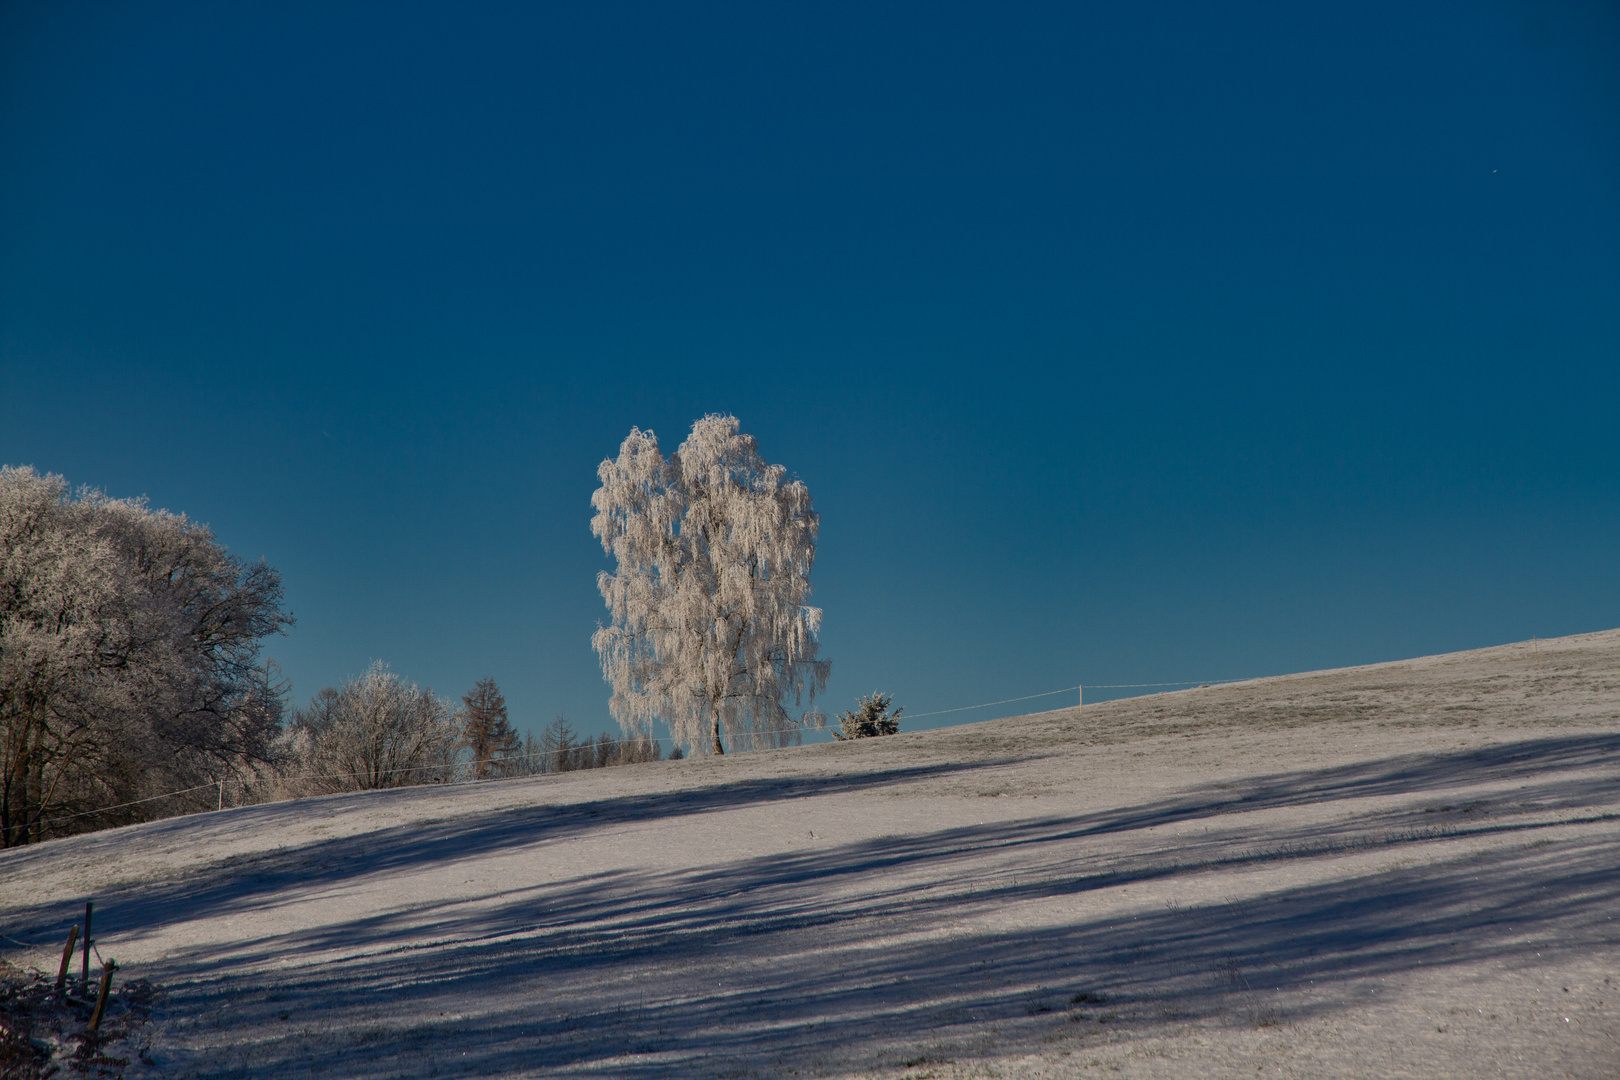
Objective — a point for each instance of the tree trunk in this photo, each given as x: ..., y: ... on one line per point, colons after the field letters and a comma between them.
x: 719, y: 748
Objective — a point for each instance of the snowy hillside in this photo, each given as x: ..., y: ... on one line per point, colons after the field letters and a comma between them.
x: 1408, y: 869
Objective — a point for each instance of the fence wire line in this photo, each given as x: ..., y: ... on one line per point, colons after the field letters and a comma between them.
x: 1072, y: 689
x: 214, y: 784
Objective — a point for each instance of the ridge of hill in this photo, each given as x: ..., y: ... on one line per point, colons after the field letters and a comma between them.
x: 1406, y: 868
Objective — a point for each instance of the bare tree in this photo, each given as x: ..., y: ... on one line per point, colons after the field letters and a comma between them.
x: 376, y: 731
x: 560, y: 749
x: 710, y: 631
x: 129, y: 642
x: 602, y: 752
x: 531, y: 759
x: 485, y: 731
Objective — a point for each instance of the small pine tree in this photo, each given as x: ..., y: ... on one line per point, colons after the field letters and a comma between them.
x: 871, y: 717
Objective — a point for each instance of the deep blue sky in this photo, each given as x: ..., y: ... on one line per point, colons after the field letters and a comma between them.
x: 1116, y: 343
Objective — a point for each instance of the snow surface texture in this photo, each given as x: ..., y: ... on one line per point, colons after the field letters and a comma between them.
x: 1407, y: 869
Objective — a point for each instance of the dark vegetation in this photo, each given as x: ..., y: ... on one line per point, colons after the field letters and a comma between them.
x: 485, y: 732
x: 560, y: 749
x: 871, y: 717
x: 44, y: 1031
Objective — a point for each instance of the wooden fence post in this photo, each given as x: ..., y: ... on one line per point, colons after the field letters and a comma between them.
x: 101, y: 999
x: 85, y: 975
x: 67, y: 957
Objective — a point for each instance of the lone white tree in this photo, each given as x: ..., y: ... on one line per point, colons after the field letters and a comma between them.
x: 710, y: 630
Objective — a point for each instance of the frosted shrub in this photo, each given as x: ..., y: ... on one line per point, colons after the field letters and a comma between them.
x: 376, y: 731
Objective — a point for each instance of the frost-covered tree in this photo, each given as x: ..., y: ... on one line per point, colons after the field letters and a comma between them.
x: 377, y: 731
x: 869, y: 718
x: 710, y: 632
x: 129, y: 644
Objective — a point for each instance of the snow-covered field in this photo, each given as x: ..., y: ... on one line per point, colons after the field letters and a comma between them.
x: 1409, y: 869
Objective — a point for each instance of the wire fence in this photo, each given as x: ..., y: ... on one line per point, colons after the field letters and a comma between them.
x: 1076, y: 688
x: 526, y: 759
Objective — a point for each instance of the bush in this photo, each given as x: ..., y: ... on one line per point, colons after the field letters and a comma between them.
x: 871, y: 717
x: 376, y: 731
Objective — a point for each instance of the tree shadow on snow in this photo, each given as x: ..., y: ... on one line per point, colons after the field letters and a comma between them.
x: 259, y: 879
x: 790, y: 960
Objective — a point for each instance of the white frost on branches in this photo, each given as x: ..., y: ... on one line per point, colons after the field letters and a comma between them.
x: 129, y: 644
x: 710, y: 632
x: 377, y: 731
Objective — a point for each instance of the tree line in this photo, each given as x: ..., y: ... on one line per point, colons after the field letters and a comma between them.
x: 131, y: 685
x: 377, y: 731
x: 129, y: 645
